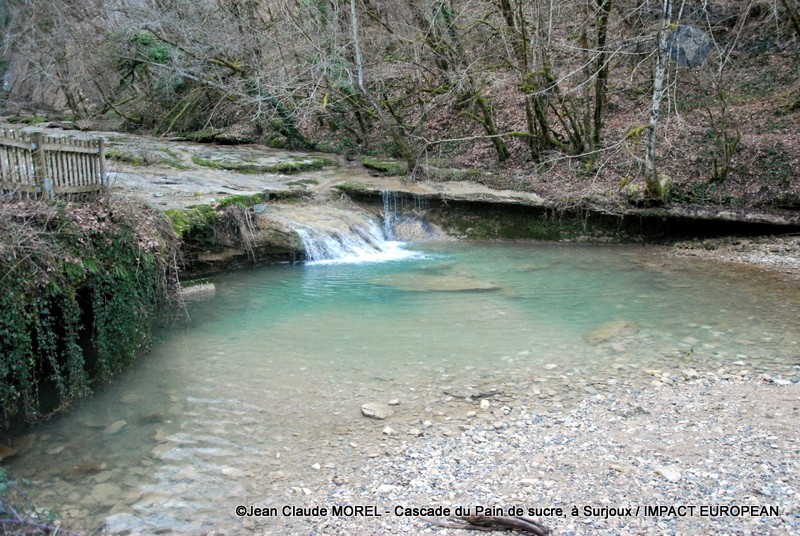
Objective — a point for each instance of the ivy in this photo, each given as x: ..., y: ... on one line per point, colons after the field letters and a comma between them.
x: 82, y: 286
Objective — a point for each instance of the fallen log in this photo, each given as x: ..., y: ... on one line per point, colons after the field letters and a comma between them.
x: 524, y: 524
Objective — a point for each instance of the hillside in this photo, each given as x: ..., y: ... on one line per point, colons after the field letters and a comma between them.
x: 613, y: 102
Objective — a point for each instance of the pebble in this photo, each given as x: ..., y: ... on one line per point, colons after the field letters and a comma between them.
x: 106, y: 493
x: 670, y: 472
x: 604, y: 447
x: 376, y: 411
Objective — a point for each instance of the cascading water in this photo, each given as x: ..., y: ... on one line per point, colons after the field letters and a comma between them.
x: 334, y: 235
x: 389, y: 213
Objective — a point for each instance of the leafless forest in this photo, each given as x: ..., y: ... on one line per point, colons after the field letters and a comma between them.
x: 698, y: 99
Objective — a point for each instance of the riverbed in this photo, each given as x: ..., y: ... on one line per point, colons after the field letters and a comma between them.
x: 256, y: 396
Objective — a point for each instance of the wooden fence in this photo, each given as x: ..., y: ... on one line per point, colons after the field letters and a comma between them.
x: 40, y: 165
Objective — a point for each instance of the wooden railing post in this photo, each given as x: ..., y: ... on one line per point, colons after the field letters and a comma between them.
x: 104, y: 182
x: 40, y: 166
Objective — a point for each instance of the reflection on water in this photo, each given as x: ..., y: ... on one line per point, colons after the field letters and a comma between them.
x: 259, y: 398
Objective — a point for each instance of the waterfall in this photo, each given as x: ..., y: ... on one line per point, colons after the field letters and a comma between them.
x: 362, y: 243
x: 334, y: 235
x: 389, y: 213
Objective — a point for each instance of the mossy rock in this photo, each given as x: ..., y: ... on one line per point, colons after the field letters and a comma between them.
x: 450, y: 174
x: 245, y: 201
x: 215, y: 135
x: 251, y: 168
x: 192, y: 220
x: 353, y: 188
x: 147, y: 157
x: 385, y: 165
x: 302, y: 183
x: 127, y: 157
x: 27, y: 119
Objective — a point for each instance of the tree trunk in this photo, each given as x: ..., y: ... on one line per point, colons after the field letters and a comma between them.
x: 394, y: 128
x: 655, y: 189
x: 601, y: 69
x: 793, y: 16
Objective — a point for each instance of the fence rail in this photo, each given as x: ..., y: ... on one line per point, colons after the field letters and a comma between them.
x: 40, y: 165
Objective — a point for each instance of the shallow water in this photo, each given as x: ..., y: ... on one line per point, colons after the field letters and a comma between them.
x: 257, y: 400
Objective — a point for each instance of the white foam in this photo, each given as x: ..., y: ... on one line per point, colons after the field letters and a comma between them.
x: 391, y: 251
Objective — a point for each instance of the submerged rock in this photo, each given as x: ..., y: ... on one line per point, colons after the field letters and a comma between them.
x: 376, y: 411
x: 7, y: 452
x: 114, y: 427
x: 612, y: 330
x: 105, y: 493
x: 426, y: 282
x: 198, y: 290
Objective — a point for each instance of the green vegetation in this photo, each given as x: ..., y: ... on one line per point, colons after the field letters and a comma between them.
x: 385, y: 165
x: 775, y: 166
x: 447, y: 174
x: 159, y: 156
x: 302, y: 182
x: 26, y: 119
x: 134, y: 160
x: 353, y: 188
x: 244, y: 201
x: 705, y: 193
x: 193, y: 220
x: 293, y: 166
x: 81, y: 286
x: 19, y: 516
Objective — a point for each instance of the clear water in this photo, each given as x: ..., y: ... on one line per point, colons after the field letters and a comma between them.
x: 257, y: 399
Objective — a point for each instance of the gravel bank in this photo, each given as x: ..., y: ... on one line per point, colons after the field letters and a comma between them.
x: 703, y: 440
x: 778, y: 254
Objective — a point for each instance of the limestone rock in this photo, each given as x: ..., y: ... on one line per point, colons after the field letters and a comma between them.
x: 106, y: 493
x: 670, y: 472
x: 114, y: 427
x: 376, y: 411
x: 423, y: 282
x: 612, y: 330
x: 7, y: 452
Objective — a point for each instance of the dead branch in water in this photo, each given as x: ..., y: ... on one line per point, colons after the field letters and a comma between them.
x: 524, y: 524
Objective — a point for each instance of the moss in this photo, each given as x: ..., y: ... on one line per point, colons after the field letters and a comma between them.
x: 245, y: 201
x: 507, y: 226
x: 27, y: 119
x: 385, y: 165
x: 78, y: 305
x: 196, y: 282
x: 352, y: 187
x: 193, y: 220
x: 477, y: 220
x: 203, y: 136
x: 129, y: 158
x: 252, y: 168
x: 449, y: 174
x: 143, y: 158
x: 302, y: 182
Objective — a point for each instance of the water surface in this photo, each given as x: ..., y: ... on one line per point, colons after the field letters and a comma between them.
x: 257, y: 399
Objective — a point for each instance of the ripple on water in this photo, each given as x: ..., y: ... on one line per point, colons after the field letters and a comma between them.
x: 258, y: 400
